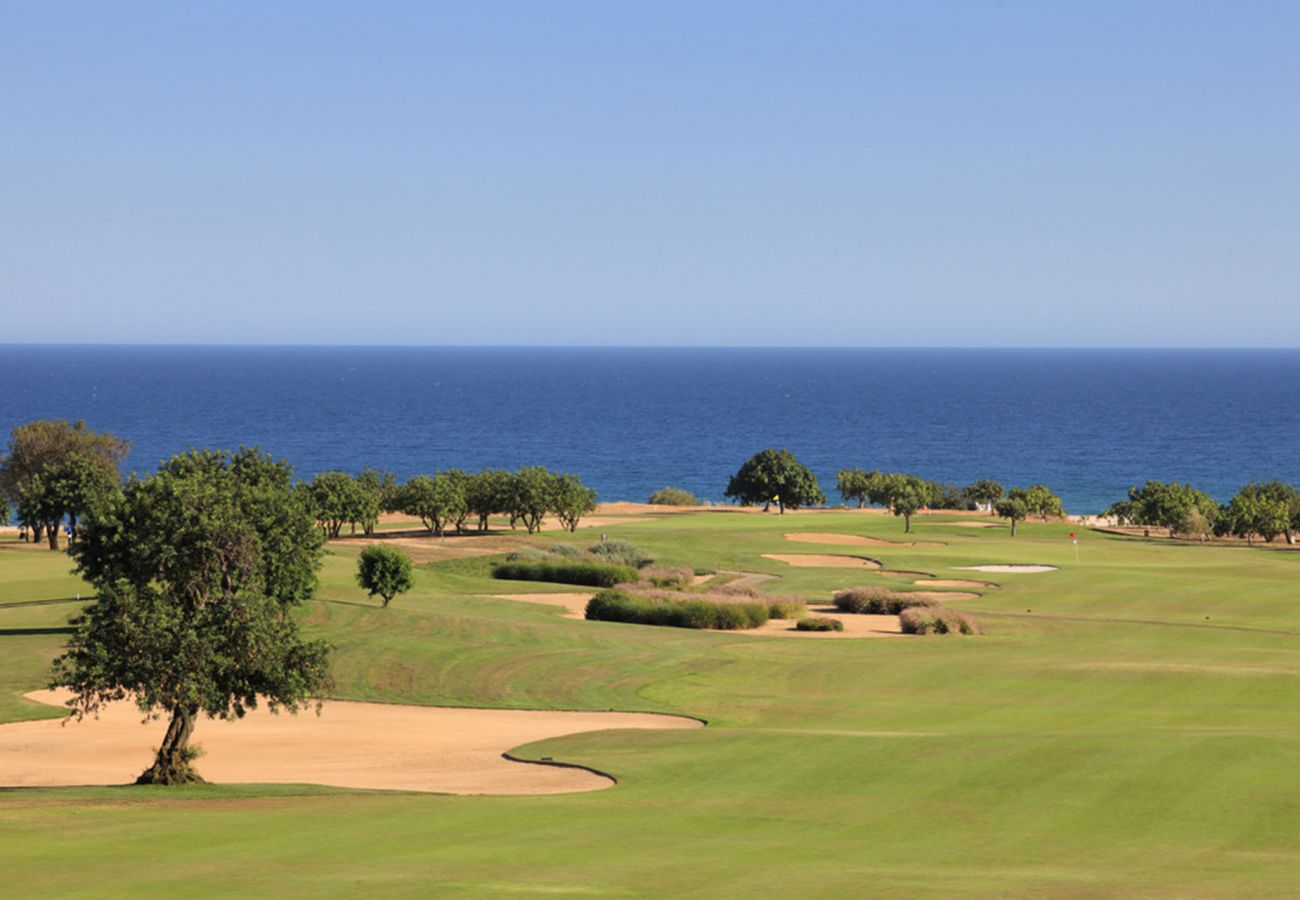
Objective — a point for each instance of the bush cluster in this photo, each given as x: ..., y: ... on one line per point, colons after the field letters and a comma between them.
x: 671, y: 496
x: 624, y: 553
x: 778, y: 607
x: 936, y: 620
x: 676, y: 611
x: 819, y: 623
x: 877, y: 601
x: 562, y: 571
x: 663, y: 577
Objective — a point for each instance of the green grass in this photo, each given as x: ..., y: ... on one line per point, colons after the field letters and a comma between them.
x: 1128, y: 725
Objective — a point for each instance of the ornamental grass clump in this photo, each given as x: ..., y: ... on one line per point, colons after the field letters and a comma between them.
x: 673, y: 579
x: 877, y: 601
x: 674, y: 610
x: 936, y: 620
x: 625, y: 553
x: 584, y: 572
x: 819, y: 623
x: 780, y: 606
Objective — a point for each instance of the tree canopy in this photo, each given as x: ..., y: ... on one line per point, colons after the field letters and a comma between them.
x: 197, y: 570
x: 775, y: 476
x: 1178, y: 507
x: 384, y: 570
x: 1014, y: 509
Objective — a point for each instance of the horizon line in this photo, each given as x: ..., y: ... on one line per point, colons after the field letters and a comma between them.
x: 416, y: 346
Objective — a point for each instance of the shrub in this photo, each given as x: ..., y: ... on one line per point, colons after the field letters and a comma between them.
x: 704, y: 570
x: 677, y: 611
x: 935, y: 620
x: 526, y: 554
x: 662, y: 577
x: 877, y: 601
x: 671, y: 496
x: 779, y: 606
x: 384, y: 570
x: 624, y: 553
x: 819, y: 623
x: 592, y: 574
x: 567, y: 551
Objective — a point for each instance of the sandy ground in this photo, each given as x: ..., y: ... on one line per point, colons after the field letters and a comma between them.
x: 855, y: 626
x: 853, y: 540
x: 355, y: 745
x: 899, y: 573
x: 574, y: 603
x: 1010, y: 567
x: 943, y: 596
x: 954, y: 583
x: 826, y: 561
x: 964, y: 523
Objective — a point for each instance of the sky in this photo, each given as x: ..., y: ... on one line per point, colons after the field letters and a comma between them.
x: 657, y: 173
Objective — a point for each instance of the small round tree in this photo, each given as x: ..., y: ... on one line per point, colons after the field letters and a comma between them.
x: 384, y: 570
x: 906, y: 504
x: 775, y: 476
x: 1014, y: 509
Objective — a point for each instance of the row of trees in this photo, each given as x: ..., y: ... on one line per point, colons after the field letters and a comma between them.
x: 1264, y: 509
x: 450, y: 499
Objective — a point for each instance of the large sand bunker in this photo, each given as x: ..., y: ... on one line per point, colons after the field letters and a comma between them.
x: 574, y: 603
x: 856, y: 625
x: 853, y: 540
x: 1008, y: 567
x: 823, y: 561
x: 352, y: 745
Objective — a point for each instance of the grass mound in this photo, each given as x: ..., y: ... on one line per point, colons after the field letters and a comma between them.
x: 877, y: 601
x: 671, y: 496
x: 676, y: 611
x: 578, y: 571
x: 935, y: 620
x: 819, y: 623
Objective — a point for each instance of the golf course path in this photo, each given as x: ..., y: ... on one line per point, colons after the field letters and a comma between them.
x: 351, y: 745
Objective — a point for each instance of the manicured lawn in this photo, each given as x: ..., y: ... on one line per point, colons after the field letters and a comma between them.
x: 1128, y: 725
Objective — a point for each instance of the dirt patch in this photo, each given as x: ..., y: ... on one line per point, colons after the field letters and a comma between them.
x: 954, y: 583
x: 746, y: 579
x: 1008, y: 567
x: 853, y: 540
x: 823, y: 561
x: 573, y: 602
x: 855, y: 626
x: 353, y: 745
x: 942, y: 596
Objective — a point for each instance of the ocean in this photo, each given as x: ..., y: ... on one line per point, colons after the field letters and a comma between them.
x: 1089, y: 423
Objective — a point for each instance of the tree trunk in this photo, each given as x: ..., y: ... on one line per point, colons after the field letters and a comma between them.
x: 780, y: 507
x: 53, y: 532
x: 1013, y: 527
x: 172, y: 764
x: 907, y: 524
x: 37, y: 532
x: 1290, y: 537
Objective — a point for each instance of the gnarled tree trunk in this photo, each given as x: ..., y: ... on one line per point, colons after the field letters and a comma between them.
x: 172, y: 764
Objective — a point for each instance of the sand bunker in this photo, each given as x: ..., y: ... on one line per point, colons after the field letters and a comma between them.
x: 855, y: 626
x: 902, y: 573
x: 574, y: 603
x: 352, y: 745
x: 942, y: 596
x: 823, y: 561
x: 954, y: 583
x: 853, y: 540
x: 1008, y: 567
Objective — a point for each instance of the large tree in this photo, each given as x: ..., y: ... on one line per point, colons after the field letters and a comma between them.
x: 36, y: 472
x: 1180, y: 508
x: 775, y: 476
x: 986, y: 492
x: 198, y: 569
x: 530, y: 497
x: 336, y: 499
x: 437, y: 501
x: 571, y: 500
x: 376, y: 493
x: 854, y: 484
x: 1257, y: 510
x: 488, y: 493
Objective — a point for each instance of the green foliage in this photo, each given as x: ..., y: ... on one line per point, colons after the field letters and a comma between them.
x: 196, y: 569
x: 819, y: 623
x: 436, y: 501
x: 489, y: 493
x: 336, y: 498
x: 671, y: 496
x: 570, y: 500
x: 384, y: 570
x: 935, y: 620
x: 624, y: 553
x: 986, y: 491
x: 906, y: 503
x: 377, y: 492
x: 620, y: 606
x: 775, y: 476
x: 876, y: 601
x: 855, y: 484
x: 592, y: 574
x: 1014, y: 509
x: 530, y: 497
x: 677, y: 579
x: 1265, y: 510
x: 56, y: 469
x: 1180, y: 508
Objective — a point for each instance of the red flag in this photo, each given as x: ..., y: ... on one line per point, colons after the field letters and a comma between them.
x: 1071, y: 535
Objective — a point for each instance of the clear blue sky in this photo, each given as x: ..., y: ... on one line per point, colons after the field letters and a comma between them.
x: 963, y: 173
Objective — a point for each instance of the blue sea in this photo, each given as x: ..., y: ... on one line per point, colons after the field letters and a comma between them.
x: 1087, y: 422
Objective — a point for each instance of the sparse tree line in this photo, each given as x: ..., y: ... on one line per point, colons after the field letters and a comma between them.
x: 1259, y: 509
x: 57, y: 474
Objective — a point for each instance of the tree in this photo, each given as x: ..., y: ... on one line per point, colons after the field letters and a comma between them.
x: 886, y: 489
x: 1256, y: 509
x: 488, y: 493
x: 853, y: 484
x: 1013, y: 508
x: 906, y: 504
x: 436, y: 501
x: 986, y: 491
x: 571, y: 500
x: 671, y: 496
x: 1289, y: 497
x: 336, y: 498
x: 71, y: 488
x: 775, y: 476
x: 1161, y: 505
x: 1042, y: 502
x: 384, y: 570
x: 38, y: 448
x: 197, y: 570
x: 376, y: 492
x: 530, y: 497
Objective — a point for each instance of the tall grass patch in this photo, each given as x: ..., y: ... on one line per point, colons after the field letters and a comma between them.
x: 562, y: 571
